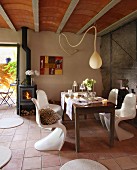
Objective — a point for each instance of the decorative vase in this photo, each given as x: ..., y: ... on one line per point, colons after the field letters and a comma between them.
x: 32, y: 81
x: 88, y: 93
x: 28, y: 80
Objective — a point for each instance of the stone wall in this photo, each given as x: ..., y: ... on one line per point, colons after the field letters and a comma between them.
x: 118, y: 52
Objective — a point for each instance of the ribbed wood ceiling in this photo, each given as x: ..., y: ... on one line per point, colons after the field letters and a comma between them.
x: 65, y: 15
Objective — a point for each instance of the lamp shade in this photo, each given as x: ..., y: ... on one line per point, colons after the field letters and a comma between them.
x: 95, y: 60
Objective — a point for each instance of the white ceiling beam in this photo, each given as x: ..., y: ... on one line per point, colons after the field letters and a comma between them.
x: 35, y: 7
x: 69, y: 11
x: 6, y: 18
x: 132, y: 16
x: 99, y: 15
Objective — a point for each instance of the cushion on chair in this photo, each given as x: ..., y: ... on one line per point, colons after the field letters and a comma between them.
x: 48, y: 116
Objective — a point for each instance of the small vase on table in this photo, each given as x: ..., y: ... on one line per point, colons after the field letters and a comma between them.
x: 32, y: 81
x: 88, y: 93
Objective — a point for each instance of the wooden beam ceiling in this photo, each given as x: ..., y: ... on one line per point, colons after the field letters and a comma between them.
x: 69, y: 11
x: 99, y: 15
x: 6, y: 18
x: 35, y: 6
x: 74, y: 16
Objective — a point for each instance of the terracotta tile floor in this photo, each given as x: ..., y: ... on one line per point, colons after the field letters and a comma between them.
x: 94, y: 145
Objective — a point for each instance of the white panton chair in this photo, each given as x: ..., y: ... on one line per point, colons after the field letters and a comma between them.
x: 55, y: 140
x: 43, y: 102
x: 127, y: 111
x: 113, y: 94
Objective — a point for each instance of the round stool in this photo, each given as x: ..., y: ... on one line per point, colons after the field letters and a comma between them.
x: 5, y: 155
x: 83, y: 164
x: 6, y: 123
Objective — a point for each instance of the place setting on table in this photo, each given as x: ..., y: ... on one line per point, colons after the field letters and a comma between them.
x: 84, y: 97
x: 81, y: 99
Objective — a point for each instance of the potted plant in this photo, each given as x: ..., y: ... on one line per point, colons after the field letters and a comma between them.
x: 8, y: 59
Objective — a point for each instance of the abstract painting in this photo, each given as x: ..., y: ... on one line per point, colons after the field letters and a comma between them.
x: 51, y: 65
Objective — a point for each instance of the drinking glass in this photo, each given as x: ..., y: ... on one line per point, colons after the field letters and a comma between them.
x: 93, y: 95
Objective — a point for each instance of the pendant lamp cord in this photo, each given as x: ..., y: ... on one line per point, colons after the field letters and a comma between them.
x: 79, y: 41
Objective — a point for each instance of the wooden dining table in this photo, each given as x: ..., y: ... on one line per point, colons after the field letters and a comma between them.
x: 91, y: 109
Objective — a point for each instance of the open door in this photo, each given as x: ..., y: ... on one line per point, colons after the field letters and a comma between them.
x: 9, y: 63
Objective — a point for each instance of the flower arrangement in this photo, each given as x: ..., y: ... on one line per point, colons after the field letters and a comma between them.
x: 32, y: 73
x: 89, y: 84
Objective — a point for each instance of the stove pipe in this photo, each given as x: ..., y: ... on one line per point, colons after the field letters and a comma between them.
x: 28, y: 53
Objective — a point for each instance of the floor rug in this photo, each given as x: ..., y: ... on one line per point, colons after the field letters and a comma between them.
x: 83, y: 164
x: 10, y: 122
x: 5, y: 155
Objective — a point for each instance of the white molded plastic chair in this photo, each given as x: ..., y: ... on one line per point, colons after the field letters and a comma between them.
x: 113, y: 94
x: 43, y: 102
x: 55, y: 140
x: 127, y: 111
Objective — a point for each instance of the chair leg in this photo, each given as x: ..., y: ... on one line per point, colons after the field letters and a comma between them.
x: 101, y: 115
x: 96, y: 115
x: 121, y: 133
x: 9, y: 98
x: 4, y: 100
x: 107, y: 121
x: 54, y: 141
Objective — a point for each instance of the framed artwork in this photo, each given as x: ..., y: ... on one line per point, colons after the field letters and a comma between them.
x: 51, y: 65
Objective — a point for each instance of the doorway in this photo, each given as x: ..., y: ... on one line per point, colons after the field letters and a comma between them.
x: 9, y: 69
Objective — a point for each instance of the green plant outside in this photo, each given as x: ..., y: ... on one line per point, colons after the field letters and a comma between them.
x: 11, y: 68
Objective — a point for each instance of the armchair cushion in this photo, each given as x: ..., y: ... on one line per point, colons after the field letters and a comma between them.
x: 48, y: 116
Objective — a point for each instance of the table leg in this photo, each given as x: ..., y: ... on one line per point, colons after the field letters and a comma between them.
x: 85, y: 116
x: 77, y: 135
x: 112, y: 128
x: 64, y: 112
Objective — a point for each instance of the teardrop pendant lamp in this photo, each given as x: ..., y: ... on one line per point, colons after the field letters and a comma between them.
x: 95, y: 60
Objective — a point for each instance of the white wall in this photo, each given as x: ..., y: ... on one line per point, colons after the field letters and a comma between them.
x: 75, y: 67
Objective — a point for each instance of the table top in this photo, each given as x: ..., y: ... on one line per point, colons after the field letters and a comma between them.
x: 95, y: 108
x: 82, y: 103
x: 109, y: 104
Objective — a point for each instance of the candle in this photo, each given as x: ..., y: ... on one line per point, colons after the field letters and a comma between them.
x: 104, y: 101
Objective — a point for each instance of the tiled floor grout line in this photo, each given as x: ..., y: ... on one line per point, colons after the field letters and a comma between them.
x: 25, y: 145
x: 41, y: 154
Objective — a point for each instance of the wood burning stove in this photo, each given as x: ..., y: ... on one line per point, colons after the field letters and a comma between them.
x: 26, y: 92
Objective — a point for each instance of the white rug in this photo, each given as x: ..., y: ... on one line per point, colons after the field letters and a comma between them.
x: 83, y: 164
x: 5, y: 155
x: 10, y: 122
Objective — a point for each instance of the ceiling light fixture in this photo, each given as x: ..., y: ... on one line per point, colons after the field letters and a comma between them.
x: 95, y: 60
